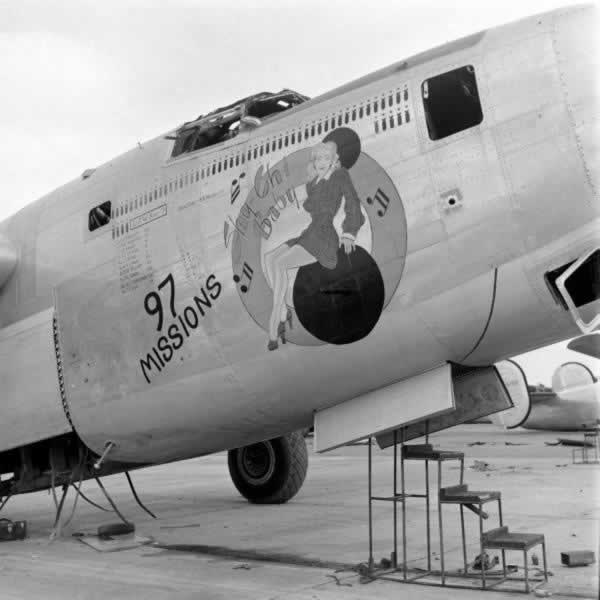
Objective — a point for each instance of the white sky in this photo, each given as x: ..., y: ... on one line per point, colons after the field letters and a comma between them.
x: 84, y: 80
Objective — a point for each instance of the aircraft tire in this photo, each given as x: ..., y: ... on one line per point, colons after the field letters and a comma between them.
x: 270, y: 472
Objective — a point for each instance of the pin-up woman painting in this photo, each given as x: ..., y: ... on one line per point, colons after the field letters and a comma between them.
x: 329, y: 183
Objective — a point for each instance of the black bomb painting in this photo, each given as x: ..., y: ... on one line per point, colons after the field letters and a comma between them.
x: 319, y: 244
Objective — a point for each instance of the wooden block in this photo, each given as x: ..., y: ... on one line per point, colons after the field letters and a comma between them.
x: 577, y: 558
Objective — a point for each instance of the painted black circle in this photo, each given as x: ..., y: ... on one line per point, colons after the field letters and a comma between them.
x: 341, y: 305
x: 348, y: 145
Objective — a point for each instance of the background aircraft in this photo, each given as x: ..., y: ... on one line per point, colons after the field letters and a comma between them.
x: 571, y: 404
x: 142, y: 295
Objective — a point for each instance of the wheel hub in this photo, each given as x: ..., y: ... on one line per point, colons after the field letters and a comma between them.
x: 257, y: 462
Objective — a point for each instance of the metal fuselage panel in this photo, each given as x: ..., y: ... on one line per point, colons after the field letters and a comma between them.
x: 164, y: 313
x: 31, y: 409
x: 568, y: 410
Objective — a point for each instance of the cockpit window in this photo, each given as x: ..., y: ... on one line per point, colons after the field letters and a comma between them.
x: 99, y: 216
x: 225, y: 123
x: 451, y: 102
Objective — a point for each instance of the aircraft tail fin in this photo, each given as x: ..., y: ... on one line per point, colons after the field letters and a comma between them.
x: 516, y: 383
x: 571, y: 375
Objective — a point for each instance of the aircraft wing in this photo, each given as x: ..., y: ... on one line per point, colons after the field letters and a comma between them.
x: 586, y: 344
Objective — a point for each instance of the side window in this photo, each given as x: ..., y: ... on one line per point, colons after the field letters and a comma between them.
x: 451, y: 102
x: 99, y: 216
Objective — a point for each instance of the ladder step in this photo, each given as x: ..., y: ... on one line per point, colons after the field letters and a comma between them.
x: 502, y: 539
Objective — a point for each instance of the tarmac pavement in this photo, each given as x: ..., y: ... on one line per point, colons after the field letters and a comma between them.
x: 209, y: 543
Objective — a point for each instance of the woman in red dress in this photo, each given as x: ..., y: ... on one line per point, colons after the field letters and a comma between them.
x: 319, y: 241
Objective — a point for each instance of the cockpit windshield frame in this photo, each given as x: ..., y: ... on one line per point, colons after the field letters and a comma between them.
x: 225, y: 123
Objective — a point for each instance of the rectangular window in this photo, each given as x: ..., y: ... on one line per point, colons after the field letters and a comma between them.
x: 99, y: 216
x: 451, y: 102
x: 582, y: 285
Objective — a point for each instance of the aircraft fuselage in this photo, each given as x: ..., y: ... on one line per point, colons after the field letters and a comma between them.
x: 163, y: 314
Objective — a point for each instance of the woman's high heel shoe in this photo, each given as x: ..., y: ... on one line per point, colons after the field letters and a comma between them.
x: 281, y: 331
x: 274, y: 344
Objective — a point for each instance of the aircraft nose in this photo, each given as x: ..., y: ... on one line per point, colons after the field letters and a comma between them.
x: 575, y: 39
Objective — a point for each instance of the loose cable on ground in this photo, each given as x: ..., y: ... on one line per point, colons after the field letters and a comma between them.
x: 110, y: 500
x: 84, y: 497
x: 136, y: 496
x: 80, y: 468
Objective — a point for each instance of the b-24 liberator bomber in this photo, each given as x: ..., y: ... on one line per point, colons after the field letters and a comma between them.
x: 359, y: 260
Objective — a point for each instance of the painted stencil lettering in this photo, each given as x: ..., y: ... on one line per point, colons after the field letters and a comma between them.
x: 175, y: 327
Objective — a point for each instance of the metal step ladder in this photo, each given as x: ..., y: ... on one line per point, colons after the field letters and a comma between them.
x: 459, y: 494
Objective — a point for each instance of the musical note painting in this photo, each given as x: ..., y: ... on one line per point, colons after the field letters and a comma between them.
x: 320, y: 244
